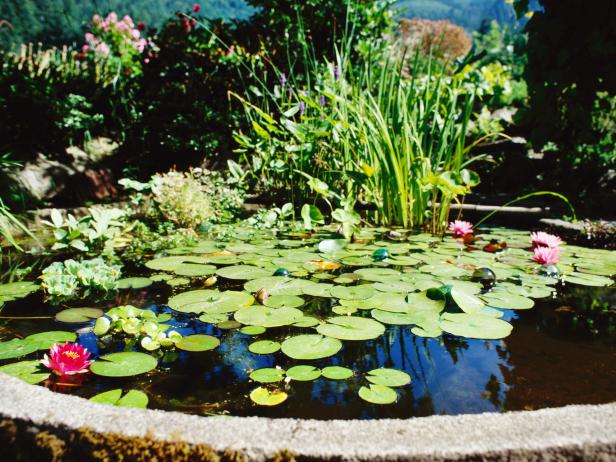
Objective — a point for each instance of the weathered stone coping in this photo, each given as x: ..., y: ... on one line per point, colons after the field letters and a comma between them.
x: 587, y: 432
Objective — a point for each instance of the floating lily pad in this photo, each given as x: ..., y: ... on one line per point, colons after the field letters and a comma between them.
x: 228, y: 324
x: 278, y: 285
x: 171, y: 263
x: 46, y: 340
x: 332, y: 245
x: 465, y: 301
x: 210, y: 301
x: 508, y: 300
x: 388, y: 377
x: 198, y: 342
x: 307, y: 321
x: 264, y: 347
x: 124, y: 364
x: 267, y: 375
x: 303, y: 373
x: 28, y: 371
x: 475, y: 326
x: 393, y: 318
x: 134, y: 283
x: 243, y: 272
x: 280, y: 301
x: 378, y: 394
x: 337, y: 373
x: 194, y: 269
x: 175, y: 282
x: 17, y: 348
x: 78, y: 315
x: 351, y: 328
x: 585, y: 279
x: 359, y: 292
x: 252, y: 330
x: 213, y: 318
x: 378, y: 274
x: 310, y: 346
x: 160, y: 277
x: 268, y: 317
x: 133, y: 398
x: 263, y: 397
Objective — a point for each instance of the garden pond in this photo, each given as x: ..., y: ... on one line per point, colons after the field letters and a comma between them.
x: 292, y: 324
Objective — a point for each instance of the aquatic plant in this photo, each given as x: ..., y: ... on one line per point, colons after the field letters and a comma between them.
x: 67, y: 359
x: 91, y: 233
x: 543, y: 239
x: 546, y: 255
x: 72, y: 279
x: 460, y: 228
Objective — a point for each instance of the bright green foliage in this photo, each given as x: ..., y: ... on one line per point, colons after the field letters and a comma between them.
x: 144, y: 326
x: 72, y: 279
x: 94, y: 232
x: 132, y: 398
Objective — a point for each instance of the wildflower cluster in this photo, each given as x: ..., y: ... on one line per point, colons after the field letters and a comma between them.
x: 119, y: 39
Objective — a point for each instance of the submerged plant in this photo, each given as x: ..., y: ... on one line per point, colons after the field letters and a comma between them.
x: 67, y: 359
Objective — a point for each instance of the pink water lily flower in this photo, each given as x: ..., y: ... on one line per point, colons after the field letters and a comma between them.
x: 460, y: 228
x: 67, y: 359
x: 546, y: 255
x: 541, y: 239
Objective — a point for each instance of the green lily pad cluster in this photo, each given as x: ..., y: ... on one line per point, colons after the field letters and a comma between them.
x: 16, y: 348
x: 132, y: 398
x: 382, y: 384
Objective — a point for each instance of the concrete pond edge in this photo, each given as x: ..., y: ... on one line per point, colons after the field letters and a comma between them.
x: 581, y: 432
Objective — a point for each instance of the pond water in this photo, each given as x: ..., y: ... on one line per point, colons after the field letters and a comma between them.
x: 557, y: 347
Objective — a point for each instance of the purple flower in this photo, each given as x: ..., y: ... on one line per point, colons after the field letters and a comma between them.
x: 322, y: 101
x: 302, y: 108
x: 336, y: 72
x: 290, y: 91
x: 283, y: 80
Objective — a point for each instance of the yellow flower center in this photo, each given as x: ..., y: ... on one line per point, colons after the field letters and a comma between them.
x: 71, y: 354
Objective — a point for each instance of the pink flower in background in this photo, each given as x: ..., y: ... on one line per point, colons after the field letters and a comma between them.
x: 128, y: 20
x: 460, y: 228
x: 102, y: 49
x: 541, y: 239
x: 96, y: 19
x: 67, y: 359
x: 89, y: 37
x: 136, y: 34
x: 140, y: 45
x: 546, y: 255
x: 196, y: 8
x: 112, y: 17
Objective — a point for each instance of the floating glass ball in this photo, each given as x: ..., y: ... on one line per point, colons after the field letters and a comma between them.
x: 549, y: 270
x: 485, y: 276
x: 380, y: 254
x: 281, y: 272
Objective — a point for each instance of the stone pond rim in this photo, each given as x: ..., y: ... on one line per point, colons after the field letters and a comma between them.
x: 580, y: 432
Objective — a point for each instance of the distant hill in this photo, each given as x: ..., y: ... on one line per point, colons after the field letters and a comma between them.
x: 64, y: 21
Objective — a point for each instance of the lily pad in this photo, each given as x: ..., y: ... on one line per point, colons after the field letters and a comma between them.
x: 194, y: 269
x: 134, y: 283
x: 310, y: 346
x: 277, y: 285
x: 351, y: 328
x: 46, y: 340
x: 210, y: 301
x: 198, y: 342
x: 267, y: 375
x: 133, y: 398
x: 78, y: 315
x: 264, y: 347
x: 243, y: 272
x: 252, y: 330
x: 303, y: 373
x: 332, y: 245
x: 28, y: 371
x: 359, y: 292
x: 475, y: 326
x: 507, y: 300
x: 284, y: 301
x: 388, y: 377
x: 465, y: 301
x: 124, y: 364
x: 268, y: 317
x: 378, y: 274
x: 263, y: 397
x: 17, y: 348
x: 393, y: 318
x: 337, y: 373
x: 378, y: 394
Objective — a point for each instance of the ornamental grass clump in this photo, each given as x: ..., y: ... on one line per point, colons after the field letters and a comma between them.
x: 181, y: 199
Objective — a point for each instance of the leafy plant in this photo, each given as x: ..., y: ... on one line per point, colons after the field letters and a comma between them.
x: 71, y: 279
x: 273, y: 217
x: 94, y: 232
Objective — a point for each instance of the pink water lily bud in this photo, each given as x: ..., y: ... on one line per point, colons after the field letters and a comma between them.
x: 460, y: 228
x: 67, y: 359
x: 196, y: 8
x: 541, y: 239
x: 546, y: 255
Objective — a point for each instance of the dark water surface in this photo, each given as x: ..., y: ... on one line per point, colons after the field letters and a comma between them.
x: 563, y: 351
